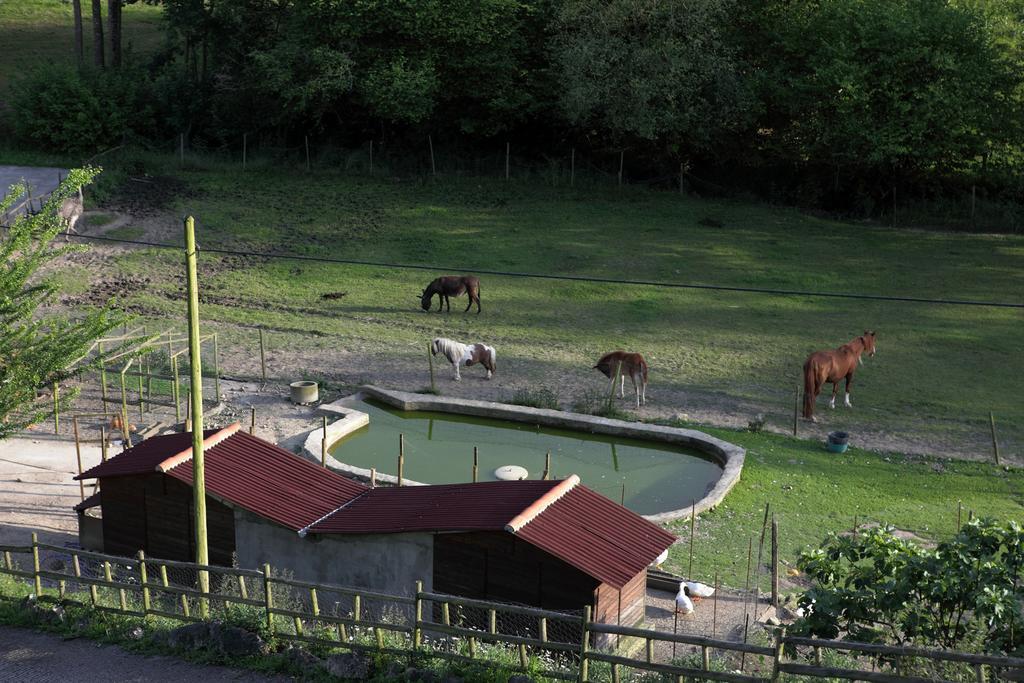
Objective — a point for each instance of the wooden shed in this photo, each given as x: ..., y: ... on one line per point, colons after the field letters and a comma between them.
x: 550, y: 544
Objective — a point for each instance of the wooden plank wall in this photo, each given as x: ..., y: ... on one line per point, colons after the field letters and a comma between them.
x: 154, y: 512
x: 498, y: 566
x: 124, y: 514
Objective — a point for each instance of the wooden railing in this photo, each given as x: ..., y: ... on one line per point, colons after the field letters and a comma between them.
x: 435, y: 625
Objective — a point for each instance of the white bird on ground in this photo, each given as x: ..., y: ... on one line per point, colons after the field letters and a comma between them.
x: 683, y: 602
x: 699, y: 590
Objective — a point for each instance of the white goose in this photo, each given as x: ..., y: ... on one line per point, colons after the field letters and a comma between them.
x: 683, y: 603
x: 699, y: 590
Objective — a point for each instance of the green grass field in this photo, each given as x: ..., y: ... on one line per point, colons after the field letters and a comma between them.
x: 35, y: 31
x: 938, y: 372
x: 813, y: 493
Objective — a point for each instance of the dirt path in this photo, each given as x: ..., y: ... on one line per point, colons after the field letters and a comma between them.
x: 27, y: 656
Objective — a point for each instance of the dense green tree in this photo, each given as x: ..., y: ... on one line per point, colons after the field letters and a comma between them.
x: 647, y: 70
x: 886, y: 89
x: 37, y: 347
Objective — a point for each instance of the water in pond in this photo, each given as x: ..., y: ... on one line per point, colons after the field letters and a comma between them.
x: 439, y: 449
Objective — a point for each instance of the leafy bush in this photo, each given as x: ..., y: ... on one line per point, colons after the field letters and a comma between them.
x: 60, y: 108
x: 964, y: 594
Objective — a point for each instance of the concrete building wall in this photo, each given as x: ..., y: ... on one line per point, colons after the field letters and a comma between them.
x: 389, y: 563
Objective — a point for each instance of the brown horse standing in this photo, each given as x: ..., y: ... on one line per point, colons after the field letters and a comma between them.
x: 451, y: 285
x: 833, y: 366
x: 632, y: 364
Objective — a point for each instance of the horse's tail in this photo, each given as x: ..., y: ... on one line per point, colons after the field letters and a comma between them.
x: 643, y: 368
x: 493, y: 358
x: 809, y: 389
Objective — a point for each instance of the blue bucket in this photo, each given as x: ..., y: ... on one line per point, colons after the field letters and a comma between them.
x: 837, y: 442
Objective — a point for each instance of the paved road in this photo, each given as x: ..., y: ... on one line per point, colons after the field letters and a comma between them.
x: 41, y: 181
x: 29, y: 656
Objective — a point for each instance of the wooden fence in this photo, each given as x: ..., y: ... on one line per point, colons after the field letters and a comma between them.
x: 546, y: 643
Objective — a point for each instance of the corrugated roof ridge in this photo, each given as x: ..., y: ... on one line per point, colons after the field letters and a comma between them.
x: 208, y: 442
x: 541, y: 504
x: 305, y: 530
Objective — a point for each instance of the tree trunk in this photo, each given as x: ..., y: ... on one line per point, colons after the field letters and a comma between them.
x: 97, y: 34
x: 114, y: 18
x: 76, y: 6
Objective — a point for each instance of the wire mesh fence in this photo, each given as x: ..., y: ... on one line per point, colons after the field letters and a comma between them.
x: 551, y: 644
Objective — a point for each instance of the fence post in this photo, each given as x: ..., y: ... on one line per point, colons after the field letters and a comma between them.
x: 401, y: 457
x: 268, y: 600
x: 176, y: 389
x: 796, y: 407
x: 777, y: 664
x: 992, y: 423
x: 263, y: 358
x: 143, y: 579
x: 693, y: 525
x: 417, y: 634
x: 584, y: 645
x: 252, y: 420
x: 433, y: 167
x: 78, y: 454
x: 323, y: 445
x: 56, y: 408
x: 216, y: 369
x: 430, y: 359
x: 35, y: 565
x: 775, y: 562
x: 476, y: 463
x: 103, y: 375
x: 572, y: 168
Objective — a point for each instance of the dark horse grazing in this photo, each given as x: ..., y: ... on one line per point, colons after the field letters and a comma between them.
x: 632, y: 364
x: 833, y: 366
x: 451, y: 285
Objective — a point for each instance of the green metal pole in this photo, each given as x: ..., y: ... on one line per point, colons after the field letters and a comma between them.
x: 198, y: 469
x: 56, y: 410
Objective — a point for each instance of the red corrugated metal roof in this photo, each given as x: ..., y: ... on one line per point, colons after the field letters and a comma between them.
x: 582, y: 528
x: 597, y: 536
x: 270, y: 481
x: 444, y: 507
x: 90, y: 502
x: 143, y: 457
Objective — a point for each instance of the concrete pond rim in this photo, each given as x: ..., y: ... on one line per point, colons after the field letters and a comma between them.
x: 728, y: 455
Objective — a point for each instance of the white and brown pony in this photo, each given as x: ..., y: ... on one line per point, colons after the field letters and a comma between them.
x: 623, y: 363
x: 834, y: 366
x: 458, y: 354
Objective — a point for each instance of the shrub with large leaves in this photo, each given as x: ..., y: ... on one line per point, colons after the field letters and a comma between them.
x: 965, y: 593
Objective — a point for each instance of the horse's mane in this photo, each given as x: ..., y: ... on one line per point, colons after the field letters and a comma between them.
x: 450, y: 348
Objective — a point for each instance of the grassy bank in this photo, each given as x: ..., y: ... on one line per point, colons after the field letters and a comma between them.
x: 813, y: 493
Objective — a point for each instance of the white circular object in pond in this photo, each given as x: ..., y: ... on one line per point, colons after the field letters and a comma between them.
x: 511, y: 473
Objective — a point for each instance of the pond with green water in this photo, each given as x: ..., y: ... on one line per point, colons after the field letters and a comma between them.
x: 657, y: 477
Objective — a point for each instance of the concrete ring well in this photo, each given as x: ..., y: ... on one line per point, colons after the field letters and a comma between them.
x: 730, y: 456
